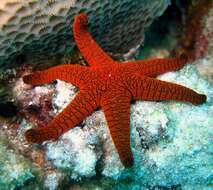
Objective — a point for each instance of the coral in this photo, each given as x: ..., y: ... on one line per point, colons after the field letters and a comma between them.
x: 34, y: 103
x: 16, y: 171
x: 81, y: 161
x: 52, y: 180
x: 174, y: 149
x: 93, y: 137
x: 206, y: 43
x: 192, y: 40
x: 41, y: 29
x: 182, y: 154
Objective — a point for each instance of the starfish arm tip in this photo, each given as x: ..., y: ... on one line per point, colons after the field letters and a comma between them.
x: 185, y: 57
x: 81, y: 19
x: 32, y: 136
x: 27, y: 79
x: 202, y: 99
x: 32, y: 79
x: 128, y: 162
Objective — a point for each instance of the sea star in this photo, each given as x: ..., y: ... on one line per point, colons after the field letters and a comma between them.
x: 109, y: 85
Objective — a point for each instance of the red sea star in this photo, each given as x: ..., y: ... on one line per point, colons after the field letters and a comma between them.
x: 109, y: 85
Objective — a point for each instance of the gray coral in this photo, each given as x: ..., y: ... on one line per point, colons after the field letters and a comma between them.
x: 42, y: 29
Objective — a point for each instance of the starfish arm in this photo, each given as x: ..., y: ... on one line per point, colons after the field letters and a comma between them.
x: 117, y: 113
x: 154, y: 67
x: 145, y: 88
x: 92, y: 52
x: 82, y: 106
x: 75, y: 74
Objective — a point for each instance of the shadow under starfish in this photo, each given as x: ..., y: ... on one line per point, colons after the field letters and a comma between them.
x: 109, y: 85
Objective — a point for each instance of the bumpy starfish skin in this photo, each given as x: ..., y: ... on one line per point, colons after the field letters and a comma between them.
x: 109, y: 85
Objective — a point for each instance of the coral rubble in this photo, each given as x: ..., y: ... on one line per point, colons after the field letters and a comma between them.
x: 15, y: 170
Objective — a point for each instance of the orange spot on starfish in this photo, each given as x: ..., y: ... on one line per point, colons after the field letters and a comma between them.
x: 109, y: 85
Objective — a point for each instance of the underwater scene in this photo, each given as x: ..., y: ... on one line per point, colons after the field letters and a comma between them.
x: 106, y: 95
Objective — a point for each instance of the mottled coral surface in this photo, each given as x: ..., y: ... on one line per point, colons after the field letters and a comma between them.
x: 41, y: 30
